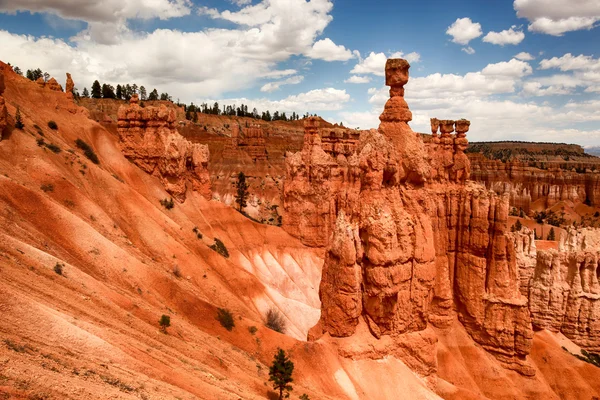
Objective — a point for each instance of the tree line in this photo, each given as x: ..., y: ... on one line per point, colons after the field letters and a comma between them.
x: 126, y: 92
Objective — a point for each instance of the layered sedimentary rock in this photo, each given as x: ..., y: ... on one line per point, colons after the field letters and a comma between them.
x: 407, y: 250
x: 252, y: 141
x: 564, y: 294
x: 339, y: 141
x: 3, y: 111
x: 525, y: 184
x: 149, y: 138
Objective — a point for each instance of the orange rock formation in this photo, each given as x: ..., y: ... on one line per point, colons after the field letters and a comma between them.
x: 3, y: 111
x: 150, y: 139
x: 407, y: 251
x: 70, y: 85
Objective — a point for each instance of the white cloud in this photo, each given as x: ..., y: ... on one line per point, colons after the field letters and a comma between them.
x: 463, y: 30
x: 327, y: 50
x: 273, y: 86
x: 328, y: 99
x: 556, y: 17
x: 513, y: 68
x: 189, y: 65
x: 375, y: 62
x: 104, y: 18
x: 535, y: 88
x: 469, y: 50
x: 524, y: 56
x: 362, y: 120
x: 569, y: 63
x: 508, y: 36
x: 358, y: 79
x: 241, y: 3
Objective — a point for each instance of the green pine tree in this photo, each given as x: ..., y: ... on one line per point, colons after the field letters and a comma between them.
x: 280, y: 373
x: 551, y: 235
x: 18, y: 121
x: 241, y: 197
x: 96, y: 90
x: 518, y: 226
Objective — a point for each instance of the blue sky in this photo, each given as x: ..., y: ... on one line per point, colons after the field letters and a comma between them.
x: 522, y: 69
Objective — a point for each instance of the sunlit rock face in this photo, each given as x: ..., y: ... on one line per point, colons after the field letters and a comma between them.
x: 149, y: 138
x: 411, y: 242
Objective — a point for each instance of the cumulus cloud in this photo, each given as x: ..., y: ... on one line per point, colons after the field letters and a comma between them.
x: 104, y: 18
x: 273, y: 86
x: 513, y: 68
x: 358, y: 79
x: 568, y: 62
x: 556, y: 17
x: 463, y: 30
x: 189, y: 65
x: 524, y: 56
x: 507, y: 36
x: 327, y: 50
x: 469, y: 50
x: 375, y: 62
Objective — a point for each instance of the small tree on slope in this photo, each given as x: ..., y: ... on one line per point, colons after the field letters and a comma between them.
x: 280, y: 373
x: 241, y: 196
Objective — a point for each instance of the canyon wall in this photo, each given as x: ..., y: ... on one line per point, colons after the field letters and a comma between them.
x: 149, y: 139
x: 577, y: 182
x: 410, y: 241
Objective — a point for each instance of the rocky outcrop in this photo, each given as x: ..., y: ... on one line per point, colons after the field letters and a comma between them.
x: 149, y: 138
x: 409, y: 248
x: 564, y: 295
x: 69, y: 86
x: 252, y: 141
x: 526, y: 254
x: 3, y: 111
x: 339, y: 141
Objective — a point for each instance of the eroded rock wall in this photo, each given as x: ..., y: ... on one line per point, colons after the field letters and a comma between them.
x: 149, y: 138
x: 564, y: 295
x: 413, y: 243
x: 3, y: 111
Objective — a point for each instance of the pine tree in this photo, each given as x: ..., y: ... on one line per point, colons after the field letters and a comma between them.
x: 18, y: 71
x: 18, y: 121
x: 96, y: 90
x: 86, y: 93
x: 551, y: 235
x: 153, y: 95
x: 108, y: 91
x: 241, y: 197
x: 518, y: 226
x: 119, y: 92
x: 164, y: 322
x: 143, y: 93
x: 280, y: 373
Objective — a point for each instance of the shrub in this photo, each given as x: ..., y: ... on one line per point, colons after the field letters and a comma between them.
x: 220, y: 248
x: 52, y: 125
x: 58, y: 268
x: 225, y: 317
x: 177, y: 272
x: 53, y: 148
x: 275, y: 320
x: 597, y: 214
x: 164, y: 322
x: 167, y: 203
x: 252, y: 330
x: 87, y: 151
x: 47, y: 187
x: 304, y: 397
x: 197, y: 232
x: 40, y: 142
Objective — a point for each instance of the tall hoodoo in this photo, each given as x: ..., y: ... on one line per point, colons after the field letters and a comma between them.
x: 69, y: 86
x: 414, y: 243
x: 150, y: 139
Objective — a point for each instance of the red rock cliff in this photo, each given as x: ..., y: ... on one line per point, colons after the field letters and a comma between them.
x: 413, y: 243
x: 3, y: 112
x: 150, y: 139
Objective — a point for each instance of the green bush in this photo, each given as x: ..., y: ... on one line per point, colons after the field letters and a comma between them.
x: 53, y: 148
x: 167, y: 203
x: 225, y: 317
x: 164, y: 322
x: 52, y: 125
x: 220, y: 248
x: 87, y: 151
x: 58, y: 268
x: 252, y: 330
x: 47, y: 187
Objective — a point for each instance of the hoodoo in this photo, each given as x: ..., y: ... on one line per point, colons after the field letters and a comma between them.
x: 413, y: 242
x: 149, y: 138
